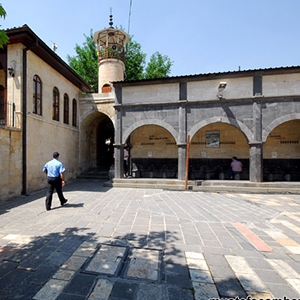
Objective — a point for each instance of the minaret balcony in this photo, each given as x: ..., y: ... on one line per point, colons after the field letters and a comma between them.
x: 110, y: 53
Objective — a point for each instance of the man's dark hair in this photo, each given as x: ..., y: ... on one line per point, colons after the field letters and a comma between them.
x: 55, y: 154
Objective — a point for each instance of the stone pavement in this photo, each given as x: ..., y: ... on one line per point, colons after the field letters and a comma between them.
x: 124, y: 243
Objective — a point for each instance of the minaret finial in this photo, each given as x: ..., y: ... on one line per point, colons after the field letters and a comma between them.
x: 111, y: 19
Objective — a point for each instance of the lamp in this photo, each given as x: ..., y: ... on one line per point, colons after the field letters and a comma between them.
x: 11, y: 68
x: 11, y: 71
x: 221, y: 88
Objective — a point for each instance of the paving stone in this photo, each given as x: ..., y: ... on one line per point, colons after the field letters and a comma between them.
x: 216, y: 260
x: 283, y: 290
x: 50, y: 290
x: 74, y: 263
x: 179, y: 280
x: 62, y: 274
x: 177, y: 293
x: 64, y: 296
x: 269, y: 276
x: 144, y: 264
x: 150, y: 292
x: 23, y: 290
x: 107, y: 260
x: 176, y: 269
x: 12, y: 279
x: 229, y: 287
x: 221, y: 272
x: 41, y: 275
x: 101, y: 290
x: 194, y: 263
x: 6, y: 267
x: 203, y: 276
x: 81, y: 284
x: 204, y: 291
x: 31, y: 264
x: 57, y: 258
x: 124, y: 291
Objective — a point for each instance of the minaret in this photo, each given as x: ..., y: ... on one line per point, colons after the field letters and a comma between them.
x: 111, y: 44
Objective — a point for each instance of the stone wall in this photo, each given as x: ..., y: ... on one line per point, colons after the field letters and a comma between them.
x: 11, y: 163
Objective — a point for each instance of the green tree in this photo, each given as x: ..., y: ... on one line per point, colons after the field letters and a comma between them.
x: 158, y: 66
x: 135, y: 61
x: 3, y: 37
x: 85, y: 63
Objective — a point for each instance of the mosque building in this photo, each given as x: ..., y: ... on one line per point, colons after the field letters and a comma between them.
x: 174, y: 126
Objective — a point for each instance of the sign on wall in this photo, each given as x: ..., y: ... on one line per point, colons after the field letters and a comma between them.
x: 212, y: 139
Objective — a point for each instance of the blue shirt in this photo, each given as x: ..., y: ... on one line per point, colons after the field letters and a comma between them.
x: 54, y: 168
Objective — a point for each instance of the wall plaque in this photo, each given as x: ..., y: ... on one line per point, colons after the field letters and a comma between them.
x: 212, y: 139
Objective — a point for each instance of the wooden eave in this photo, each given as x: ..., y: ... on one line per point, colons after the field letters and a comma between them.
x: 32, y: 42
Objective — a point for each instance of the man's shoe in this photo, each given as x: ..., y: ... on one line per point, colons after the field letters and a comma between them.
x: 48, y: 208
x: 64, y: 202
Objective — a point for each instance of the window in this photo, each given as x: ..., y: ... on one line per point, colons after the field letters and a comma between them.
x: 106, y: 88
x: 55, y: 115
x: 74, y: 113
x: 66, y: 109
x: 37, y: 95
x: 2, y: 106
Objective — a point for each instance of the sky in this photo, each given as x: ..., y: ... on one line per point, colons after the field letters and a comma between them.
x: 199, y: 36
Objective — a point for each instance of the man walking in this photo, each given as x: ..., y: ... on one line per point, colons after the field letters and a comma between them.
x: 56, y: 180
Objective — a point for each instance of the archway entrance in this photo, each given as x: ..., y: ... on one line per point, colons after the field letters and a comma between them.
x: 97, y: 137
x: 211, y: 150
x: 281, y: 153
x: 105, y: 135
x: 153, y: 152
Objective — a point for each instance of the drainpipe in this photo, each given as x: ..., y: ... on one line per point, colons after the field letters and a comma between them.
x: 24, y: 124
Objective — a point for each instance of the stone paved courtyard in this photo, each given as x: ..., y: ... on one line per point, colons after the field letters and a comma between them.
x: 124, y: 243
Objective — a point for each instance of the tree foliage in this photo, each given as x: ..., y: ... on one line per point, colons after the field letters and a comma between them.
x: 3, y: 36
x: 85, y: 63
x: 158, y: 66
x: 135, y: 61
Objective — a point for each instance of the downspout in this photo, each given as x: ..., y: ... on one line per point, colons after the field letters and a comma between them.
x: 24, y: 124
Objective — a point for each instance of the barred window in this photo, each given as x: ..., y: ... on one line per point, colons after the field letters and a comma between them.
x: 2, y: 106
x: 37, y: 95
x: 74, y: 113
x: 55, y: 115
x: 66, y: 109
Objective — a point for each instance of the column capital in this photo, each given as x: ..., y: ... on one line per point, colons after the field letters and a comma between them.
x: 256, y: 143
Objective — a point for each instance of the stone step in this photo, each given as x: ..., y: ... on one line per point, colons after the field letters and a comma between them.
x: 240, y: 189
x: 94, y: 173
x: 232, y: 186
x: 157, y: 183
x: 246, y: 183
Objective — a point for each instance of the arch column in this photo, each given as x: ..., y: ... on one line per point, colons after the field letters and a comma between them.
x: 118, y: 147
x: 256, y: 158
x: 181, y: 161
x: 256, y: 147
x: 182, y: 139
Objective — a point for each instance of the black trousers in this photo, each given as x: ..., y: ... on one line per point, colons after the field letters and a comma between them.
x: 54, y: 183
x: 125, y: 167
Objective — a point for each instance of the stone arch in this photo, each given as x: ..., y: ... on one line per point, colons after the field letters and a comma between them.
x: 239, y: 125
x: 107, y: 109
x: 95, y: 149
x: 140, y: 123
x: 277, y: 122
